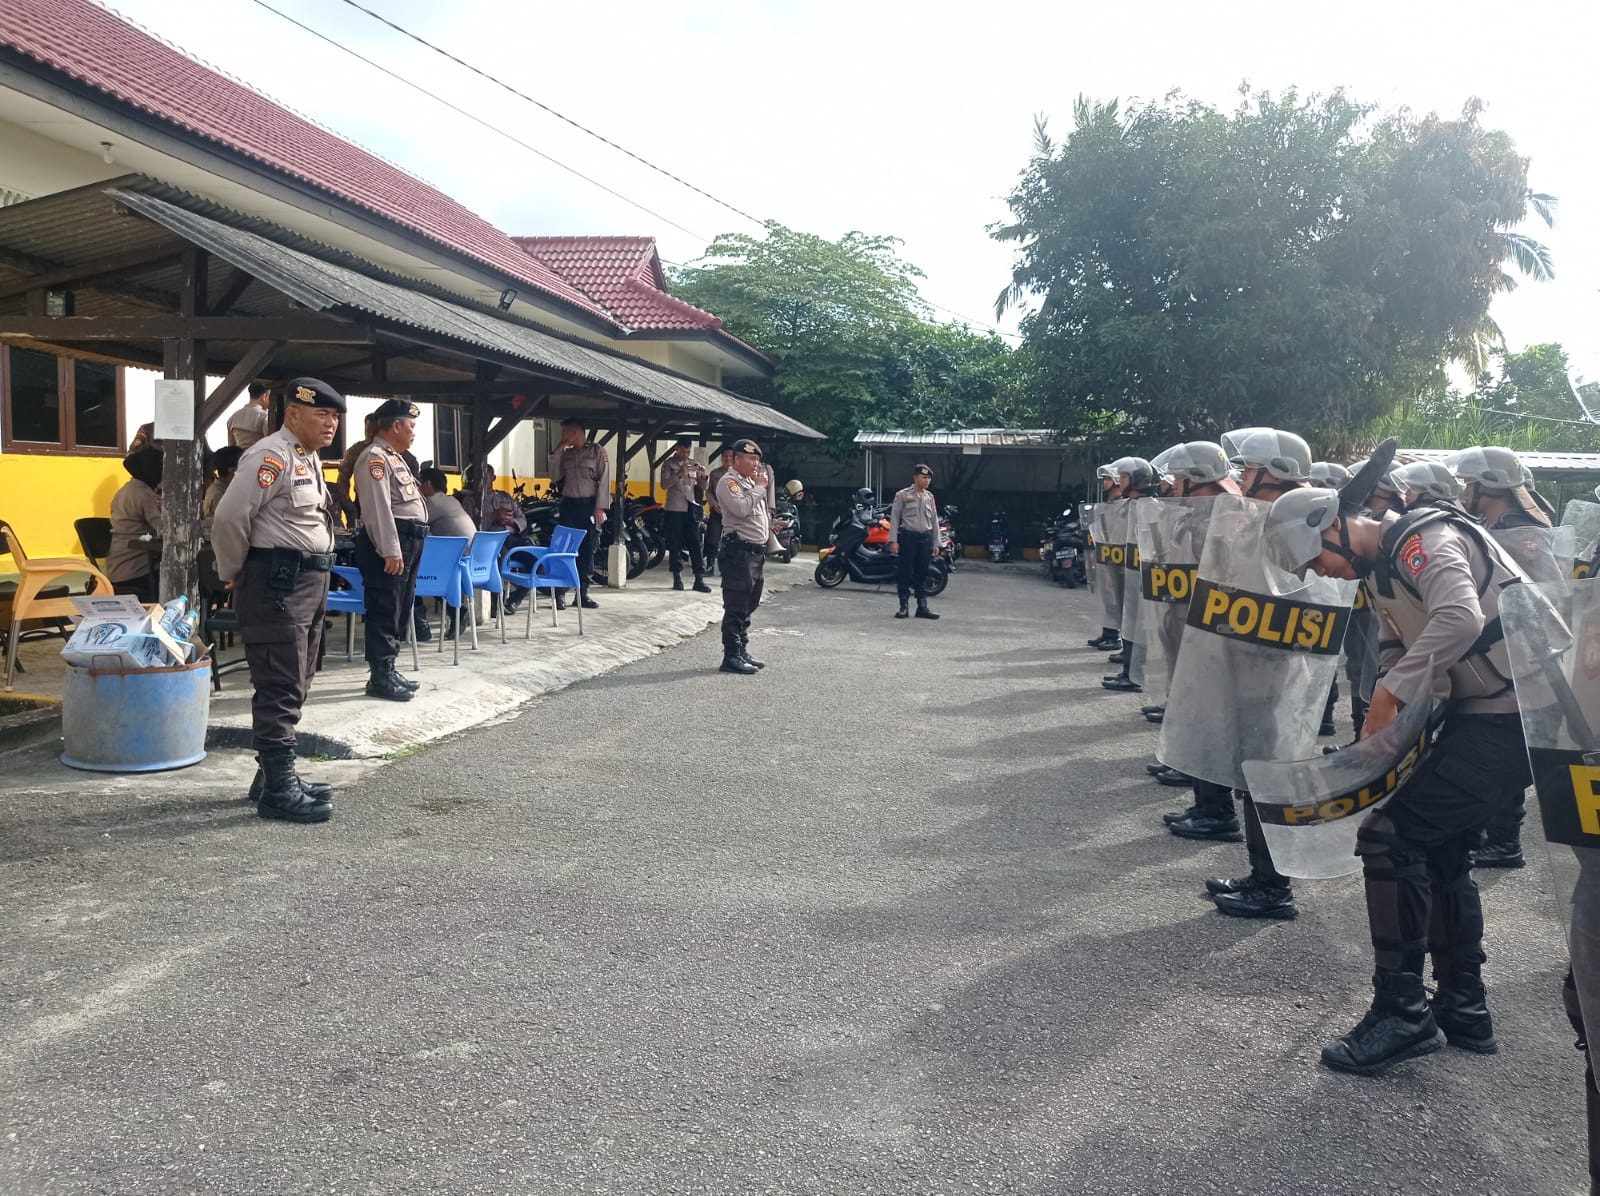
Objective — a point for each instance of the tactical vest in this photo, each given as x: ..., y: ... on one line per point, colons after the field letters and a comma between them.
x: 1486, y: 660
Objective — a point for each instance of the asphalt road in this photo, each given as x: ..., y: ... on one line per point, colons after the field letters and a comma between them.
x: 896, y: 916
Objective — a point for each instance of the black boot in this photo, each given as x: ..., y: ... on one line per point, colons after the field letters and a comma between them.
x: 922, y: 610
x: 281, y: 795
x: 733, y: 660
x: 315, y: 790
x: 1108, y: 640
x: 677, y: 581
x: 1172, y: 816
x: 1207, y: 826
x: 1176, y: 780
x: 1505, y: 854
x: 700, y: 586
x: 744, y: 653
x: 905, y: 609
x: 387, y: 684
x: 422, y: 630
x: 1399, y: 1026
x: 1120, y: 658
x: 1260, y: 900
x: 1460, y: 1007
x: 1122, y: 683
x: 1328, y: 727
x: 1218, y: 885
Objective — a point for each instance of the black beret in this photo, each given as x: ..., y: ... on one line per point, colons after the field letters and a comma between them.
x: 312, y: 392
x: 922, y: 469
x: 397, y: 409
x: 745, y: 446
x: 683, y: 442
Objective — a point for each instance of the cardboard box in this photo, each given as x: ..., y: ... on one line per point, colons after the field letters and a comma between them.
x: 117, y: 633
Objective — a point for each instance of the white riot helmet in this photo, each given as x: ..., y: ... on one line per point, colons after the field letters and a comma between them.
x: 1328, y: 475
x: 1279, y: 454
x: 1293, y: 539
x: 1198, y: 462
x: 1425, y: 481
x: 1492, y: 468
x: 1140, y: 474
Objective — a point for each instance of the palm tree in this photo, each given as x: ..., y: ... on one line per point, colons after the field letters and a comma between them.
x: 1531, y: 259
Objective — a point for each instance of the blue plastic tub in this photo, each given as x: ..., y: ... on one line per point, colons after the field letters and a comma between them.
x: 140, y: 720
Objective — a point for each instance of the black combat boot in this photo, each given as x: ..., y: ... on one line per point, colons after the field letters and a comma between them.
x: 1121, y: 656
x: 1399, y: 1026
x: 700, y: 586
x: 387, y: 684
x: 733, y: 660
x: 1172, y: 816
x: 1218, y: 885
x: 1121, y: 683
x: 744, y: 653
x: 1505, y: 854
x: 281, y: 795
x: 904, y: 612
x: 1263, y: 899
x: 1155, y: 769
x: 1174, y: 779
x: 677, y: 581
x: 1460, y: 1007
x: 1217, y: 827
x: 1107, y: 641
x: 315, y: 790
x: 922, y: 610
x: 1328, y: 727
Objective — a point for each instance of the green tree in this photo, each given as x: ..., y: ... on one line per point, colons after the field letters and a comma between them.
x: 1294, y: 262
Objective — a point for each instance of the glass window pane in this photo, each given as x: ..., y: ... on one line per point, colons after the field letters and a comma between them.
x: 35, y: 397
x: 447, y: 439
x: 94, y: 401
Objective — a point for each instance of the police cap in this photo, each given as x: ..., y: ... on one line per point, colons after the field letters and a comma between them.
x: 394, y: 409
x: 313, y: 392
x: 745, y: 446
x: 920, y: 470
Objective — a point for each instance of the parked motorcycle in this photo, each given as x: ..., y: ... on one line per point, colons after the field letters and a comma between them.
x: 1064, y: 551
x: 855, y: 556
x: 950, y: 545
x: 998, y: 538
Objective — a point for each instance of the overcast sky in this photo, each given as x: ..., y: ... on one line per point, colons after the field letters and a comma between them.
x: 892, y: 118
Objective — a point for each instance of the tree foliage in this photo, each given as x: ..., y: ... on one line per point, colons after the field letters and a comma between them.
x: 1297, y: 261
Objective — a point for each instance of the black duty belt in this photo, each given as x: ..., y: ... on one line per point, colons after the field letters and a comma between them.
x: 414, y: 529
x: 315, y: 562
x: 734, y: 542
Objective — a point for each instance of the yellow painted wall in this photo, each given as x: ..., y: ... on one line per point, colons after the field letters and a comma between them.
x: 41, y: 496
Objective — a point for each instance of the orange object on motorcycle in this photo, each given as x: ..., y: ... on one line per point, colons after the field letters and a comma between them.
x: 879, y: 532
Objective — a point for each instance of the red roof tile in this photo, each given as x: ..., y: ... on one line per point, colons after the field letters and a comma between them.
x: 624, y: 274
x: 105, y: 53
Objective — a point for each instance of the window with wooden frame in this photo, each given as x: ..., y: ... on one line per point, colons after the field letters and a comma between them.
x: 449, y: 438
x: 63, y: 405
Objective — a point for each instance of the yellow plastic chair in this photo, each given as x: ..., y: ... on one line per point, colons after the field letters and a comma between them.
x: 35, y: 576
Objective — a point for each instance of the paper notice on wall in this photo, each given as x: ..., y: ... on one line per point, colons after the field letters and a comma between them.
x: 174, y: 409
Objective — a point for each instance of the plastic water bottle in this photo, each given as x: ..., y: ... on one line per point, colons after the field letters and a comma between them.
x: 176, y: 620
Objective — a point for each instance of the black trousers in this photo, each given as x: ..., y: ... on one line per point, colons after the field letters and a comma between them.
x: 579, y: 512
x: 146, y: 589
x: 742, y: 567
x: 1216, y: 801
x: 1421, y: 897
x: 683, y: 535
x: 713, y: 539
x: 389, y: 597
x: 916, y: 554
x: 282, y: 634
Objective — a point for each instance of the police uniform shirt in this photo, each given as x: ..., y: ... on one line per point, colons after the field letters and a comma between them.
x: 386, y: 491
x: 135, y: 512
x: 212, y: 496
x: 745, y: 509
x: 447, y: 517
x: 583, y: 472
x: 712, y: 483
x: 914, y: 510
x: 678, y: 478
x: 1437, y: 612
x: 277, y: 500
x: 495, y: 501
x: 247, y: 425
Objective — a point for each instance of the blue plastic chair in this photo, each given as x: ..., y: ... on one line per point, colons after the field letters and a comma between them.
x: 553, y: 568
x: 483, y: 571
x: 442, y: 573
x: 350, y: 603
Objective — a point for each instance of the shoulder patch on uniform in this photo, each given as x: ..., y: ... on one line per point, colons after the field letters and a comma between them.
x: 733, y: 486
x: 274, y: 462
x: 266, y: 475
x: 375, y: 468
x: 1412, y: 555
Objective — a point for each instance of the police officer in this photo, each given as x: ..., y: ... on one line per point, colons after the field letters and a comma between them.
x: 394, y: 523
x: 249, y: 424
x: 1110, y: 638
x: 1427, y: 483
x: 914, y: 539
x: 1435, y: 579
x: 713, y: 541
x: 683, y: 478
x: 744, y: 498
x: 1135, y: 478
x: 583, y: 471
x: 273, y: 537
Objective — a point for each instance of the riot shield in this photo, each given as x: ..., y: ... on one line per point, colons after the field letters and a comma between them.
x: 1091, y: 554
x: 1361, y: 646
x: 1171, y: 533
x: 1311, y: 809
x: 1133, y: 627
x: 1111, y: 538
x: 1555, y: 659
x: 1260, y: 652
x: 1583, y: 517
x: 1544, y: 553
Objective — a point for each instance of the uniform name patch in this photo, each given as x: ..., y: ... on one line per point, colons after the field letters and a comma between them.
x: 1167, y: 583
x: 1262, y: 619
x: 1569, y: 795
x: 1130, y: 556
x: 376, y: 470
x: 1332, y: 809
x: 1412, y: 555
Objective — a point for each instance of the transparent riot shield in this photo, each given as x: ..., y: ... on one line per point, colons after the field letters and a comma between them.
x: 1361, y: 646
x: 1091, y: 554
x: 1555, y: 659
x: 1311, y: 809
x: 1583, y: 517
x: 1171, y: 533
x: 1111, y: 536
x: 1544, y: 553
x: 1260, y: 653
x: 1133, y: 628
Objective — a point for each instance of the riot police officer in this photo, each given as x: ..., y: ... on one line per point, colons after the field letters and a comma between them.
x: 1110, y: 637
x: 394, y: 523
x: 1436, y: 581
x: 1134, y: 478
x: 273, y: 537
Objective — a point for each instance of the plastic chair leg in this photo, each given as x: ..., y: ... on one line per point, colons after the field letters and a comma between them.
x: 11, y: 651
x: 411, y: 636
x: 471, y: 605
x: 580, y: 613
x: 349, y: 637
x: 504, y: 591
x: 454, y: 614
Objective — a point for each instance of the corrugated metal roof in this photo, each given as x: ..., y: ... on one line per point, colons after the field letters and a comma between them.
x: 1549, y: 462
x: 321, y: 286
x: 985, y: 437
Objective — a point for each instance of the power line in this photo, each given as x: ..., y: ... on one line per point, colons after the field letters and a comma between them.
x: 479, y: 120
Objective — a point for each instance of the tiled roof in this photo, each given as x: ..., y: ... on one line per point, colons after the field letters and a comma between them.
x: 624, y: 274
x: 105, y: 53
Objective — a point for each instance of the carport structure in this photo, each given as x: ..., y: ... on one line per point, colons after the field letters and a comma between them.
x: 140, y: 273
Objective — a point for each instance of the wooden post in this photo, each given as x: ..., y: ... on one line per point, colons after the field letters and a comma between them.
x: 618, y: 572
x: 182, y: 477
